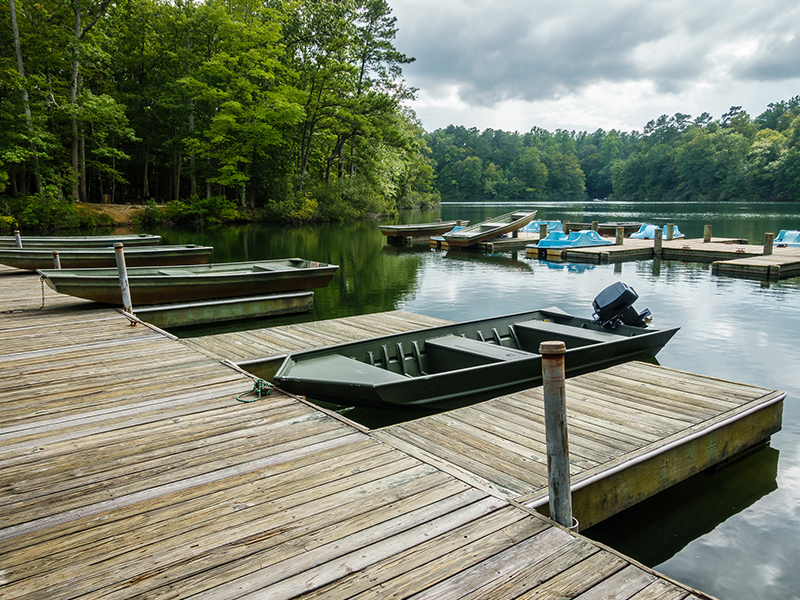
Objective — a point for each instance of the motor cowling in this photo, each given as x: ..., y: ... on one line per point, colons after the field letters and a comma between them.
x: 614, y: 305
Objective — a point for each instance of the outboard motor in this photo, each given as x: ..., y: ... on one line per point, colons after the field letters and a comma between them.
x: 614, y: 305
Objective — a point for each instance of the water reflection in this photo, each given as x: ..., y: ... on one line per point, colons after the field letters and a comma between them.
x: 510, y: 260
x: 657, y: 529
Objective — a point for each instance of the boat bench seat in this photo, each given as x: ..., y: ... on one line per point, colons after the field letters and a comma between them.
x: 532, y: 333
x: 336, y: 368
x: 456, y: 352
x: 271, y: 267
x: 175, y: 272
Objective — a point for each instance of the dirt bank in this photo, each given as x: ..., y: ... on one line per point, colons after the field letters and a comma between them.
x: 123, y: 214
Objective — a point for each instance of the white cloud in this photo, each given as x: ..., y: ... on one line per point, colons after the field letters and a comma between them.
x: 611, y: 63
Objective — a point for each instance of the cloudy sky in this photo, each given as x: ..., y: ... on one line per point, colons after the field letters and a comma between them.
x: 589, y: 64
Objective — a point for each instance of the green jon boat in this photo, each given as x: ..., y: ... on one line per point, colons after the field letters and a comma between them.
x: 81, y: 258
x: 488, y: 229
x: 463, y: 363
x: 79, y: 241
x: 163, y: 285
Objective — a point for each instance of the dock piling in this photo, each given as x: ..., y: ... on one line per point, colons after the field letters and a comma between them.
x: 670, y: 231
x: 555, y: 416
x: 707, y: 234
x: 18, y: 238
x: 56, y: 260
x: 768, y: 239
x: 658, y: 240
x: 620, y: 236
x: 595, y: 225
x: 124, y: 287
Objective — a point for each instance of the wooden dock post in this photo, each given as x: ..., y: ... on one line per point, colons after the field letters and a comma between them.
x: 768, y: 239
x: 555, y: 417
x: 707, y: 234
x: 56, y: 260
x: 595, y: 225
x: 542, y: 231
x: 658, y: 237
x: 620, y: 236
x: 18, y: 238
x: 124, y: 287
x: 670, y: 231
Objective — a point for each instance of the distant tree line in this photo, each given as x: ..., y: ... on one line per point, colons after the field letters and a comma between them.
x: 673, y: 158
x: 294, y: 108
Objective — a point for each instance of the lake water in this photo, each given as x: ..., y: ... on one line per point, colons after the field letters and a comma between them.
x: 734, y: 534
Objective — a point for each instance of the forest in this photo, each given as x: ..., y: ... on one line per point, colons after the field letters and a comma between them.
x: 674, y: 158
x: 298, y: 111
x: 294, y: 108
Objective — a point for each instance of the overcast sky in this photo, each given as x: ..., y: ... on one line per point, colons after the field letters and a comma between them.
x: 584, y: 65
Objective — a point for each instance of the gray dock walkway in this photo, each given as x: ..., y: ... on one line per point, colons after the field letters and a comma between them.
x: 129, y: 470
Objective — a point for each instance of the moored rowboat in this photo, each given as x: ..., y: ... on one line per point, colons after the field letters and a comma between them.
x: 80, y: 241
x: 488, y: 229
x: 161, y: 285
x: 420, y: 229
x: 79, y: 258
x: 453, y: 365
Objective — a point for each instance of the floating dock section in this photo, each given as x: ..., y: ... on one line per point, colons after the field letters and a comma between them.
x: 780, y: 265
x: 136, y: 465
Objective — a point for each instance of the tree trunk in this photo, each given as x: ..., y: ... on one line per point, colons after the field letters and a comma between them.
x: 73, y: 103
x: 177, y: 162
x: 192, y: 178
x: 82, y: 163
x: 25, y: 101
x: 145, y: 178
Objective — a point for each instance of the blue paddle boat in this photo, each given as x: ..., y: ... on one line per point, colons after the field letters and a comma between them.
x: 648, y: 232
x: 788, y: 237
x: 535, y: 226
x: 576, y: 239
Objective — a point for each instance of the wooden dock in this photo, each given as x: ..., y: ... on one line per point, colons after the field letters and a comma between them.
x: 129, y: 469
x: 728, y: 256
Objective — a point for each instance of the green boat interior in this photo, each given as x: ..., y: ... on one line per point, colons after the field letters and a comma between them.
x: 403, y: 359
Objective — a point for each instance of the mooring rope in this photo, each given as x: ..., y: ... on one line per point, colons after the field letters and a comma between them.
x: 260, y: 387
x: 23, y: 310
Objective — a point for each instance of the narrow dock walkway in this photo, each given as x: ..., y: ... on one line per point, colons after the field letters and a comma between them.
x: 130, y: 470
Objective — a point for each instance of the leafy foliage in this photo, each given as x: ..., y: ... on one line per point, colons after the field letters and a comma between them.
x: 253, y: 103
x: 675, y: 158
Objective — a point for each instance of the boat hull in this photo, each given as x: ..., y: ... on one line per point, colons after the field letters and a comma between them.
x: 488, y: 229
x: 452, y: 365
x: 80, y: 241
x: 418, y: 229
x: 158, y: 285
x: 96, y: 258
